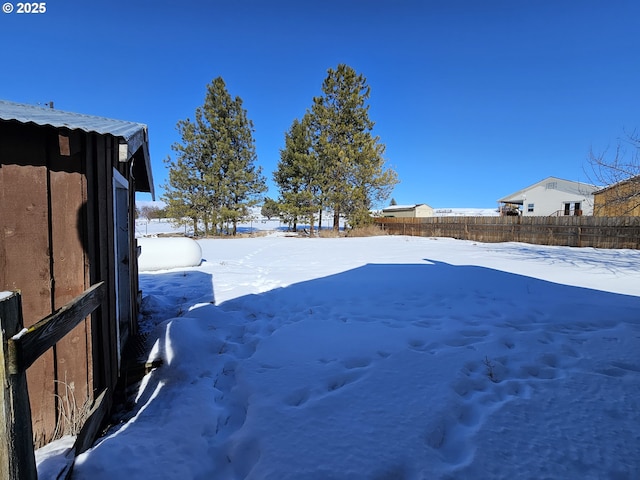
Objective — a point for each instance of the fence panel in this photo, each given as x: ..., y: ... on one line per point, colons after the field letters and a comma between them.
x: 17, y: 460
x: 19, y: 348
x: 573, y: 231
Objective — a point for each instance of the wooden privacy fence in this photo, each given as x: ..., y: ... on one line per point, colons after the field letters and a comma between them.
x: 19, y: 348
x: 572, y: 231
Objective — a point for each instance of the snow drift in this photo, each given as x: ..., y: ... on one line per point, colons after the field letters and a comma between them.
x: 385, y: 357
x: 165, y: 253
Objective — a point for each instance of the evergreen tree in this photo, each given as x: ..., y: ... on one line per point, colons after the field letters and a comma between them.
x: 351, y: 163
x: 393, y: 202
x: 270, y: 208
x: 214, y: 179
x: 185, y: 193
x: 297, y: 175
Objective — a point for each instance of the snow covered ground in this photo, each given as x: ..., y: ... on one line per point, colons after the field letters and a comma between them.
x: 385, y: 358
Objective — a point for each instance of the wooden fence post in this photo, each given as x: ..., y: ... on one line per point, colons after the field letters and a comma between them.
x: 17, y: 457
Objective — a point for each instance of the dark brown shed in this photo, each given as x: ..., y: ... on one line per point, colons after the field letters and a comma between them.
x: 67, y: 186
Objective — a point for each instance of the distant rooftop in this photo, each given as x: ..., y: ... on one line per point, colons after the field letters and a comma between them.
x: 401, y: 207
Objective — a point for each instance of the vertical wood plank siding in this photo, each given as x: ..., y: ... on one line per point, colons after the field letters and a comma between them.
x: 67, y: 192
x: 572, y: 231
x: 56, y: 239
x: 25, y: 210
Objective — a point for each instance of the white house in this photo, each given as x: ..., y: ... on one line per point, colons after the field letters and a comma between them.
x: 408, y: 211
x: 550, y: 197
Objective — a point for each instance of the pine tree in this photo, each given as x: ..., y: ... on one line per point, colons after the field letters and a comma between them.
x: 185, y: 193
x: 297, y: 175
x: 352, y: 173
x: 214, y: 179
x: 270, y: 208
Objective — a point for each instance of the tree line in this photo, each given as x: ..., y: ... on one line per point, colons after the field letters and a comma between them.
x: 331, y: 161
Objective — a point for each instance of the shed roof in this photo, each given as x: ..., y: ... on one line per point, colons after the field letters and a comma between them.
x: 398, y: 208
x: 634, y: 179
x: 132, y: 134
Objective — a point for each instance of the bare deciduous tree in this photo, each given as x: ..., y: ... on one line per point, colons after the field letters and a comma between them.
x: 619, y: 175
x: 151, y: 211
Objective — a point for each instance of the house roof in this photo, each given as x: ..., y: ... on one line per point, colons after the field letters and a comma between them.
x: 133, y: 135
x: 401, y: 208
x: 567, y: 186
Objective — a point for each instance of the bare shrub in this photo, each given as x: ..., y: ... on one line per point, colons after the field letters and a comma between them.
x: 366, y: 231
x: 328, y: 233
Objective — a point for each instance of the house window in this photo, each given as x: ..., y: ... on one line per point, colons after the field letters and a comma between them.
x: 567, y: 209
x: 530, y: 207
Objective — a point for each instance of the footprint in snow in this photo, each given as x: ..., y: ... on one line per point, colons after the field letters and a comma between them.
x: 298, y: 397
x: 620, y: 369
x: 477, y: 395
x: 339, y: 381
x: 355, y: 369
x: 356, y: 362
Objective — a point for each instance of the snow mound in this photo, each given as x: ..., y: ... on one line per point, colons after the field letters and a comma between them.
x: 166, y: 253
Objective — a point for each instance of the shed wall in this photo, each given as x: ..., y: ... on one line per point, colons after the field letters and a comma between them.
x: 423, y: 211
x: 56, y: 240
x: 620, y: 199
x: 25, y: 217
x: 401, y: 213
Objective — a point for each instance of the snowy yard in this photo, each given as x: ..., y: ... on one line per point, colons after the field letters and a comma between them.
x: 386, y: 358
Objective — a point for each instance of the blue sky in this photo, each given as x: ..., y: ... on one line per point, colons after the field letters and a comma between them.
x: 473, y: 99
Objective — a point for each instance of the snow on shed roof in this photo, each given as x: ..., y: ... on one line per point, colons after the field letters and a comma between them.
x: 402, y: 207
x: 133, y: 135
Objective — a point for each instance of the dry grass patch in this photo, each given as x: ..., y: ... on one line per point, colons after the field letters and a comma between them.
x: 366, y: 231
x: 72, y: 412
x: 329, y: 233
